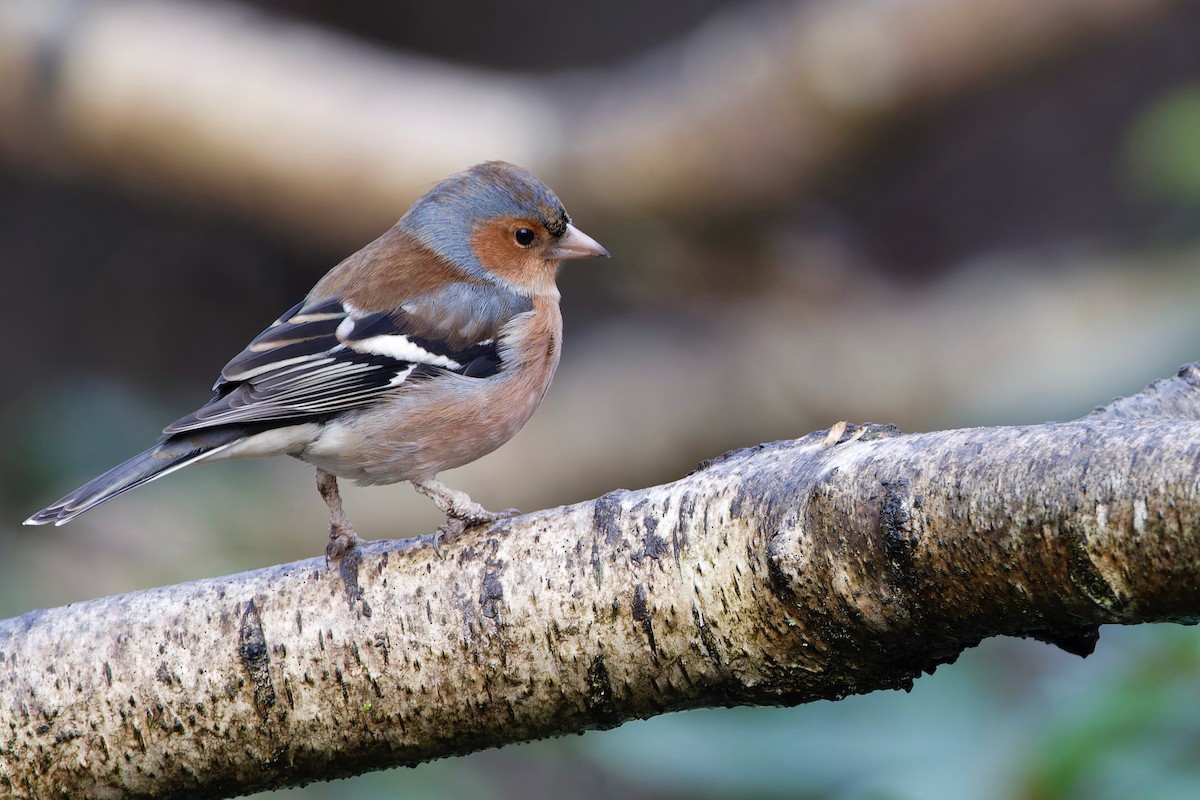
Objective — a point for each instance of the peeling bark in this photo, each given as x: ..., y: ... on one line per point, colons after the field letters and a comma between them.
x: 783, y: 573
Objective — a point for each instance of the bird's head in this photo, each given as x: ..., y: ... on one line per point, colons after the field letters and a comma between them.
x: 496, y: 221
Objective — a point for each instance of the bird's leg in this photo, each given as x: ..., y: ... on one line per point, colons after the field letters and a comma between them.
x: 463, y: 512
x: 456, y: 504
x: 341, y: 533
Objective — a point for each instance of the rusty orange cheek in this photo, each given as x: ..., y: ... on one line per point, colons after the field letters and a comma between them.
x: 494, y: 247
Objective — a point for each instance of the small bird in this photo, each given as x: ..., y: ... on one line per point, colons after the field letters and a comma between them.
x: 427, y: 349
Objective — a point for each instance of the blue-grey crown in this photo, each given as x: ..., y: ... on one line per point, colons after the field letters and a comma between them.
x: 444, y: 218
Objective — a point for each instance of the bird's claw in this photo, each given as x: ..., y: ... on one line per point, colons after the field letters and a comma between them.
x: 448, y: 529
x: 453, y: 526
x: 341, y: 541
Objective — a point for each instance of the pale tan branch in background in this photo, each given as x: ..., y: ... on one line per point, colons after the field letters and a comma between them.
x: 333, y: 138
x: 779, y: 574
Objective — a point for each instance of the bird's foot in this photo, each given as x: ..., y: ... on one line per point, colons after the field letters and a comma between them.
x: 459, y: 505
x: 461, y: 510
x: 342, y: 539
x: 453, y: 526
x: 447, y: 530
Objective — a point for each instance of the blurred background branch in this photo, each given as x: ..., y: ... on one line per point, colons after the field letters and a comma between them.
x: 285, y: 121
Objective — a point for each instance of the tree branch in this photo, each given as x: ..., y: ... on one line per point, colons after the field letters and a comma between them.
x: 833, y: 564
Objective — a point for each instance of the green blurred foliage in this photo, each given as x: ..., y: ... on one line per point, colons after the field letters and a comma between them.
x: 1132, y: 732
x: 1163, y: 148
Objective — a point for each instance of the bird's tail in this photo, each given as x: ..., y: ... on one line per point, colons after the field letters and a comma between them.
x: 160, y: 460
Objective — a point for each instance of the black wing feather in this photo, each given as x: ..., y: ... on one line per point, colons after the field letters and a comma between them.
x: 301, y: 368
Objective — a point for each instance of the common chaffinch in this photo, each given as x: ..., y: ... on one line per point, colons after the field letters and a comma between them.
x: 428, y: 348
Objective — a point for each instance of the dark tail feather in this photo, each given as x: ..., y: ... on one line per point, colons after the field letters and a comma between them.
x: 160, y: 460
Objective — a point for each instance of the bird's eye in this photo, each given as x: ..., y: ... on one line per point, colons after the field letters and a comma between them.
x: 524, y: 236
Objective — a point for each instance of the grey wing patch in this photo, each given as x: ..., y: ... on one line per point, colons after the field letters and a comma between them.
x: 457, y: 329
x: 463, y: 314
x: 328, y: 357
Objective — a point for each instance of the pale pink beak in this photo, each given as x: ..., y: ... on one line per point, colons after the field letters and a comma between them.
x: 576, y: 244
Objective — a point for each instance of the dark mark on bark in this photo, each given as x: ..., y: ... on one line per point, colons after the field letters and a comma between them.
x: 597, y: 564
x: 606, y: 515
x: 492, y: 595
x: 337, y: 675
x: 706, y: 636
x: 655, y: 546
x: 778, y: 578
x: 381, y: 642
x: 649, y: 517
x: 348, y: 569
x: 899, y: 542
x: 900, y: 545
x: 162, y: 674
x: 687, y: 512
x: 1082, y: 572
x: 641, y: 613
x: 599, y: 698
x: 737, y: 506
x: 256, y: 659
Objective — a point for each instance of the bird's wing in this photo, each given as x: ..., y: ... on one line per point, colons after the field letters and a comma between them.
x: 324, y: 356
